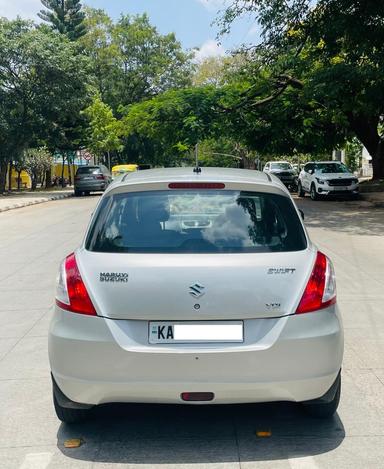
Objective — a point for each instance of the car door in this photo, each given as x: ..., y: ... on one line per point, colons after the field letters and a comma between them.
x: 306, y: 179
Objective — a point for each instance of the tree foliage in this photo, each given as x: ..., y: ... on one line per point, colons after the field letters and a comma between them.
x: 36, y: 161
x: 104, y: 129
x: 65, y: 17
x: 177, y: 119
x: 131, y: 60
x: 334, y: 49
x: 43, y: 88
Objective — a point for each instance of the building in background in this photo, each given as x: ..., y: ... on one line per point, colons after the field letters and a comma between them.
x: 365, y: 162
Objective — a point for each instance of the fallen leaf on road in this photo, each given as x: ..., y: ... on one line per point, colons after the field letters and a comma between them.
x: 263, y: 433
x: 73, y: 443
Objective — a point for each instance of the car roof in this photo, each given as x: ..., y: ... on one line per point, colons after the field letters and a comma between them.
x: 226, y: 175
x: 282, y: 161
x: 325, y: 162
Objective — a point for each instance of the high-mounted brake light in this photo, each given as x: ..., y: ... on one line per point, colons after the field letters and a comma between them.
x: 320, y: 291
x: 197, y: 396
x: 196, y: 185
x: 72, y: 293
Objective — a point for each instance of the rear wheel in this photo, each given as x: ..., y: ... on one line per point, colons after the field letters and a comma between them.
x: 77, y: 193
x: 300, y: 191
x: 322, y: 409
x: 70, y: 415
x: 314, y: 194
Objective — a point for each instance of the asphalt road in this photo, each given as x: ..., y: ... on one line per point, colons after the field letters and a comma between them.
x: 33, y: 241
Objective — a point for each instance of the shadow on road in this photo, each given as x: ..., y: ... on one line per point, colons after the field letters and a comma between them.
x: 343, y: 216
x: 148, y: 434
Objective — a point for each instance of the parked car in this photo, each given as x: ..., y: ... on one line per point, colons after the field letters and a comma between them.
x: 327, y: 178
x: 91, y: 179
x: 195, y: 288
x: 284, y: 171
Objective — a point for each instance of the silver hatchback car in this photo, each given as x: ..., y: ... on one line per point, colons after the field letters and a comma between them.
x: 196, y: 288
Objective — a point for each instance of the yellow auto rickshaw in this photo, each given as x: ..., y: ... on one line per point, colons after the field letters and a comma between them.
x: 123, y: 169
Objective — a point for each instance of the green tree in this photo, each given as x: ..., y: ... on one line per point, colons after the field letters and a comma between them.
x: 43, y: 88
x: 65, y: 16
x: 176, y: 120
x: 333, y: 52
x: 131, y: 60
x: 103, y: 53
x: 218, y: 71
x: 36, y: 162
x: 104, y: 129
x: 353, y: 154
x: 150, y: 63
x: 222, y: 152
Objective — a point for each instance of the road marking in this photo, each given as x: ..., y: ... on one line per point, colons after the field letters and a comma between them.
x: 36, y: 461
x: 303, y: 463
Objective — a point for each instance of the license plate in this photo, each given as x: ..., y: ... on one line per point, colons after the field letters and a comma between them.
x: 342, y: 188
x: 88, y: 177
x: 196, y: 332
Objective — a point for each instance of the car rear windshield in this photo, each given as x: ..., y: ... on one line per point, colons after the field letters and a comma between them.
x: 190, y: 221
x: 88, y: 170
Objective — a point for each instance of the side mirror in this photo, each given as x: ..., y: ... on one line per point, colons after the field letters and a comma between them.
x: 302, y: 214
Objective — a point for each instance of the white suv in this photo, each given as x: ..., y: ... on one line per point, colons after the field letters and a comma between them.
x: 327, y: 178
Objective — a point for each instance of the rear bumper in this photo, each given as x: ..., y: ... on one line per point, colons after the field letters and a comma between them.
x: 91, y: 186
x: 97, y: 360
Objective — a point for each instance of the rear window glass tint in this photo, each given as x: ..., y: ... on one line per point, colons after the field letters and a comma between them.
x: 184, y: 221
x: 88, y: 170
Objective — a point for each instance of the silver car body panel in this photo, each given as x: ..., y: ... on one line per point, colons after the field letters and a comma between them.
x: 99, y: 360
x: 284, y: 356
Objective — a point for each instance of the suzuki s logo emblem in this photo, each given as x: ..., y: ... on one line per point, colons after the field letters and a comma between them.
x: 197, y: 290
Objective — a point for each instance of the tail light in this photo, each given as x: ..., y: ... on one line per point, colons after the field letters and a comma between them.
x: 100, y: 176
x: 320, y: 291
x: 71, y: 293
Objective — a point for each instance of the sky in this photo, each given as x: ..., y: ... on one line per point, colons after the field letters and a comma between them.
x: 190, y: 20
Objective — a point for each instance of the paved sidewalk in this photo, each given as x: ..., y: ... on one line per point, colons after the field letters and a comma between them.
x: 375, y: 199
x: 23, y: 199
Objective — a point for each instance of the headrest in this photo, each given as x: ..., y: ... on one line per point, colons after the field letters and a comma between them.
x: 153, y: 209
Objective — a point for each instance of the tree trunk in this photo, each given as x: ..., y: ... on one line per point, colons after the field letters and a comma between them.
x: 18, y: 180
x: 10, y: 176
x: 69, y: 161
x: 48, y: 179
x: 34, y: 181
x: 378, y: 161
x: 366, y: 131
x: 3, y: 174
x: 62, y: 171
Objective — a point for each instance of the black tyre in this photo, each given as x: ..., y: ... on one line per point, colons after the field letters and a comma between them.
x: 70, y: 415
x: 313, y: 193
x: 300, y: 191
x: 77, y: 193
x: 320, y: 409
